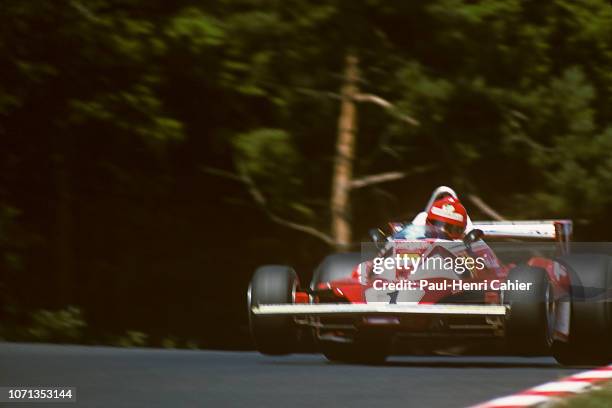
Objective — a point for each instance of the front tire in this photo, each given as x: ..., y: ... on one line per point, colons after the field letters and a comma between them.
x: 531, y: 324
x: 591, y: 311
x: 272, y: 284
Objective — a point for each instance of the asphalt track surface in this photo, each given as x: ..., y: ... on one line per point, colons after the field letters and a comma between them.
x: 112, y: 377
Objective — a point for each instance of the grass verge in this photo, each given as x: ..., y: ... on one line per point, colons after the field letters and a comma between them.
x: 601, y: 398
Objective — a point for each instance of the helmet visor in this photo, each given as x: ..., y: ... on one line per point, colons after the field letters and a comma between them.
x: 445, y: 230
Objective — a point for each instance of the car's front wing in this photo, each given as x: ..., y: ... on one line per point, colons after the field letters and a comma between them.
x: 378, y: 309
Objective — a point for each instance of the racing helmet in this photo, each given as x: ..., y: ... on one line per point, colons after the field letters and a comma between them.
x: 448, y: 218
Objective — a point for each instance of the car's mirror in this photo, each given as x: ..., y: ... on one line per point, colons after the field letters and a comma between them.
x: 472, y: 236
x: 376, y: 235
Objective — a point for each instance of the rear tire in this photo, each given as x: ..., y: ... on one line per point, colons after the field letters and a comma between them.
x: 365, y: 348
x: 531, y: 324
x: 272, y: 284
x: 591, y: 311
x: 334, y: 267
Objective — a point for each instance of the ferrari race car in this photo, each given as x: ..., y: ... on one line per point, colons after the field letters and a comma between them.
x: 409, y: 292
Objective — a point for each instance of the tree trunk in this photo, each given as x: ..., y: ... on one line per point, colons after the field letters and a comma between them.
x: 343, y: 161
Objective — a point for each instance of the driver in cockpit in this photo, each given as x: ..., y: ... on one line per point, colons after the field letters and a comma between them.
x: 446, y: 219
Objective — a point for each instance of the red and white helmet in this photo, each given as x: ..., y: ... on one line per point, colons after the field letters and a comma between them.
x: 448, y: 216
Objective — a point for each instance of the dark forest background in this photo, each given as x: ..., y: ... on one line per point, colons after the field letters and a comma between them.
x: 138, y: 138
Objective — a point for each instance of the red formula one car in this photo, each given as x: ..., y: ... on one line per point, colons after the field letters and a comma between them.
x: 411, y: 292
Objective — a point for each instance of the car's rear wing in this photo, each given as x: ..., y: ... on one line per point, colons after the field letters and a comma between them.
x: 558, y: 230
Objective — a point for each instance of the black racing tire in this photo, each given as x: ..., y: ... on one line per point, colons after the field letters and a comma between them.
x: 334, y: 267
x: 272, y: 284
x: 530, y: 327
x: 590, y: 337
x: 365, y: 349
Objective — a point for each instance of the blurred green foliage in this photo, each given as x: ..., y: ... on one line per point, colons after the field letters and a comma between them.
x: 131, y: 338
x: 265, y: 152
x: 110, y: 109
x: 62, y: 326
